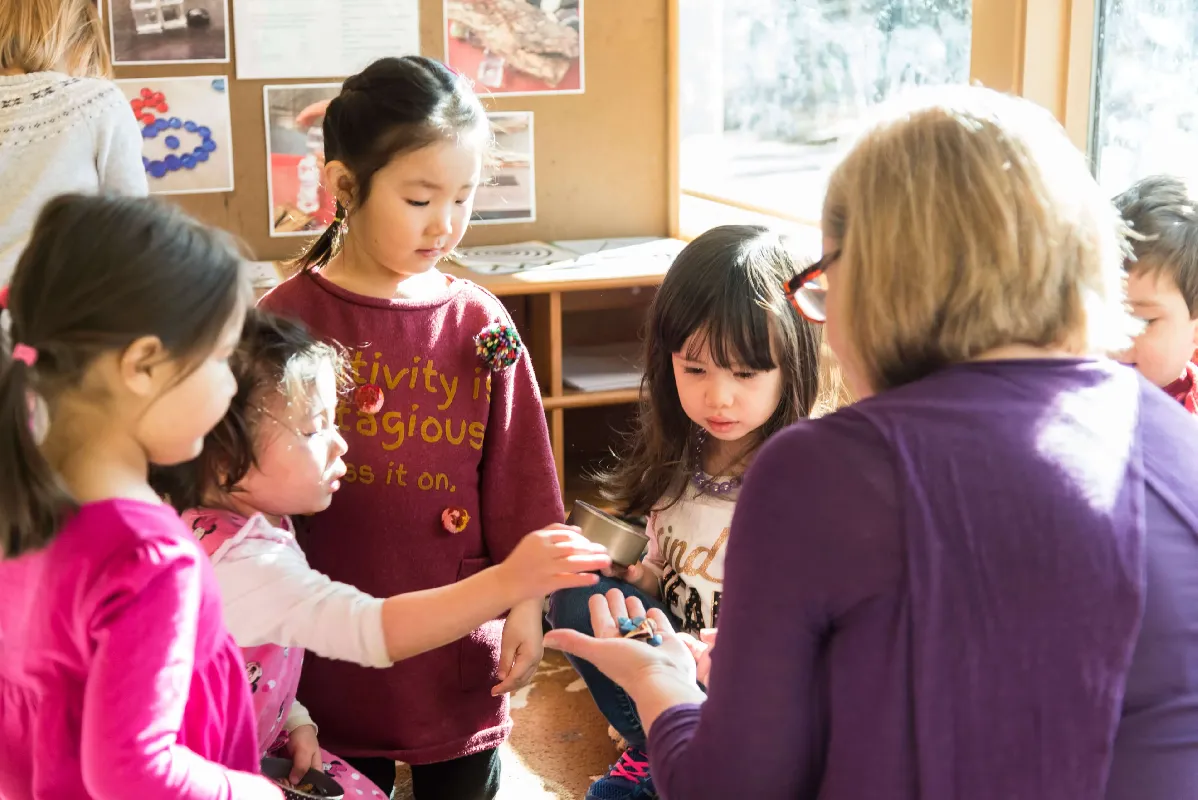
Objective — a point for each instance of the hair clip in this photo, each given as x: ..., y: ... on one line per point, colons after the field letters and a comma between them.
x: 3, y: 297
x: 498, y: 345
x: 25, y: 354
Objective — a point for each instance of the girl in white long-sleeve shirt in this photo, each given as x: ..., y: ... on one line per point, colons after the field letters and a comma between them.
x: 64, y: 128
x: 278, y: 452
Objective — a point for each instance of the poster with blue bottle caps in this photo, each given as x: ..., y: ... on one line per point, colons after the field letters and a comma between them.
x: 186, y: 132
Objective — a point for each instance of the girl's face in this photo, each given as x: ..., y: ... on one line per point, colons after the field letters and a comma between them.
x: 184, y: 407
x: 730, y: 404
x: 418, y: 207
x: 298, y: 451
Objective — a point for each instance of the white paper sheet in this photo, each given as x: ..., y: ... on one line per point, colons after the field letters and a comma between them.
x: 321, y: 38
x: 602, y: 368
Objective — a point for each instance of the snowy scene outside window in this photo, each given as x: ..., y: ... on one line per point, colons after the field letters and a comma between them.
x: 1146, y: 98
x: 769, y: 89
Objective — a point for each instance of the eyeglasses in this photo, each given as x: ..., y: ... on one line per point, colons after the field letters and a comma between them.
x: 808, y: 290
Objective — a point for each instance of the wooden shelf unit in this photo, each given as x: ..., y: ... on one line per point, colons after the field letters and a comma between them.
x: 572, y: 398
x: 540, y: 299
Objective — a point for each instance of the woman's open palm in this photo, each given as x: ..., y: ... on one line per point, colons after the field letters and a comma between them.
x: 628, y: 662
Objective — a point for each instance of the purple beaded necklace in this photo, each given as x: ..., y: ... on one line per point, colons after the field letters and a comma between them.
x: 704, y: 482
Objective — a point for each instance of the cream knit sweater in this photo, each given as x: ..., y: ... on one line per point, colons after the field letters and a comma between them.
x: 60, y: 134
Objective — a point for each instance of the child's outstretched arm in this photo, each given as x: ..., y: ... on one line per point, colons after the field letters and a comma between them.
x: 272, y: 596
x: 543, y: 562
x: 144, y: 635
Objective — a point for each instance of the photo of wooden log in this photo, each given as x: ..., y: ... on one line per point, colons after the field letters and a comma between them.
x: 528, y: 38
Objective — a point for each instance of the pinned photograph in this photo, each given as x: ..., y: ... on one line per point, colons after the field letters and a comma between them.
x: 299, y: 205
x: 512, y: 47
x: 186, y: 133
x: 509, y: 194
x: 169, y: 31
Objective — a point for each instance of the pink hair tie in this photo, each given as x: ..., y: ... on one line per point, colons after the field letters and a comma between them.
x: 25, y: 354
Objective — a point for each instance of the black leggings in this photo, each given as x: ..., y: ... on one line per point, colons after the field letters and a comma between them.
x: 472, y: 777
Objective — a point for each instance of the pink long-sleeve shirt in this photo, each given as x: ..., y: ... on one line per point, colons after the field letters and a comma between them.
x: 117, y: 676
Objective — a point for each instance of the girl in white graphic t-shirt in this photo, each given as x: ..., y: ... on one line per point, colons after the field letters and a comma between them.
x: 728, y: 362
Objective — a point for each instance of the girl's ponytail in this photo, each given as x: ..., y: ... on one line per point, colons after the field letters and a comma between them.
x: 325, y: 247
x: 33, y: 500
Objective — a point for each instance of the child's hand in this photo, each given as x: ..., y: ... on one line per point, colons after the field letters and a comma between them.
x: 522, y: 647
x: 304, y: 751
x: 634, y: 574
x: 629, y: 574
x: 701, y: 649
x: 552, y: 559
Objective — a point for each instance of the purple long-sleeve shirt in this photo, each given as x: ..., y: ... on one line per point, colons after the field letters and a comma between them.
x: 937, y: 593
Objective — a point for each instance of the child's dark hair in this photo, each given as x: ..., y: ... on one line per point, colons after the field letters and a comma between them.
x: 1163, y: 219
x: 98, y: 274
x: 275, y: 355
x: 726, y: 286
x: 394, y: 106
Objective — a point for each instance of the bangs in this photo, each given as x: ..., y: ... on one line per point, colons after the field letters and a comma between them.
x: 734, y: 327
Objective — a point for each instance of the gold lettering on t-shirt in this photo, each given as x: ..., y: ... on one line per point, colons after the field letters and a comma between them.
x: 684, y: 563
x: 439, y: 420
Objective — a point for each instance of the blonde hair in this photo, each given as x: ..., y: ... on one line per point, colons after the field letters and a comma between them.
x: 833, y: 390
x: 967, y: 221
x: 53, y: 35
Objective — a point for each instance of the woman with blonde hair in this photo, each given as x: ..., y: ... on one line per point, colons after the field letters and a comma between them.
x: 940, y: 591
x: 64, y: 126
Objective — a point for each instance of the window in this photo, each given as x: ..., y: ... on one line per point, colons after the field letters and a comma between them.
x: 1145, y: 118
x: 768, y: 89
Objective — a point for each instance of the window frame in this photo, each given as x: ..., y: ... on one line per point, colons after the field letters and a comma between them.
x: 1040, y: 49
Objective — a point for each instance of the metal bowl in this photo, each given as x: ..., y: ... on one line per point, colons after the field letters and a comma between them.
x: 625, y: 543
x: 323, y: 787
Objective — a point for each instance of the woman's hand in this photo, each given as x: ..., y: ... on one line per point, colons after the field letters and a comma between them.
x: 545, y: 561
x: 665, y: 673
x: 304, y: 751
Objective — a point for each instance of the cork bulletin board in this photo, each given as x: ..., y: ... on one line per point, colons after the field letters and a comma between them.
x: 601, y: 155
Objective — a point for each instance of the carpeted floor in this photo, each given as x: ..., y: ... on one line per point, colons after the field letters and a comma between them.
x: 559, y: 743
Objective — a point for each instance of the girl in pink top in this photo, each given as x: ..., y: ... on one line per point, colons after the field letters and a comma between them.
x: 278, y: 452
x: 117, y: 677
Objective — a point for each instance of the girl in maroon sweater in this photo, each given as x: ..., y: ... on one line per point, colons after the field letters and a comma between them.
x: 449, y: 457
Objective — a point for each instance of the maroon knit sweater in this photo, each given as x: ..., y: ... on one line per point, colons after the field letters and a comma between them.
x: 452, y: 433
